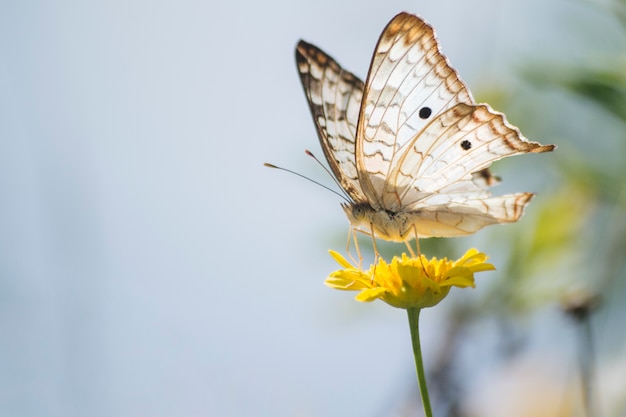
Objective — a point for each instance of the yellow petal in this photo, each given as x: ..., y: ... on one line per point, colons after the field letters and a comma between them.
x: 461, y: 281
x: 470, y: 252
x: 482, y: 267
x: 350, y: 274
x: 340, y: 259
x: 370, y: 295
x: 345, y: 284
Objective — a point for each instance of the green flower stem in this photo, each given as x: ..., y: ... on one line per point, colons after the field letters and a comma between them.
x: 414, y: 318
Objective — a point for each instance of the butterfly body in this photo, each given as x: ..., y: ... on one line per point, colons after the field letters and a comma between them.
x: 410, y: 147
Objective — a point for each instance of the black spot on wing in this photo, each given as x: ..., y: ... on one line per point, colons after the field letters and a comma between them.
x: 425, y: 112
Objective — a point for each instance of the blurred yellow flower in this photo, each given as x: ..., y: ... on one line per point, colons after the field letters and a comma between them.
x: 408, y: 282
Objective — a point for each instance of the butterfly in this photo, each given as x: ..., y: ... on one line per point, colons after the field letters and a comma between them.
x: 410, y: 147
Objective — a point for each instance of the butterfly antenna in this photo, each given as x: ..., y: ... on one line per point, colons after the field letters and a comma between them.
x: 306, y: 178
x: 330, y: 174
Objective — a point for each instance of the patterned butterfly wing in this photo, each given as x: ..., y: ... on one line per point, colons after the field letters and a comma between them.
x: 334, y: 97
x: 464, y: 216
x: 410, y: 82
x: 439, y: 174
x: 441, y: 161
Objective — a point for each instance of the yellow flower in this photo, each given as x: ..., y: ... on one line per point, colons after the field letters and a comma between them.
x: 408, y: 282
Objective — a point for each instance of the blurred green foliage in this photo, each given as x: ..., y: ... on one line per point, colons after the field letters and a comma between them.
x: 578, y: 230
x: 570, y: 247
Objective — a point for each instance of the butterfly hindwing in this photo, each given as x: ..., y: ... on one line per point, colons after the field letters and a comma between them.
x: 461, y: 215
x: 441, y: 161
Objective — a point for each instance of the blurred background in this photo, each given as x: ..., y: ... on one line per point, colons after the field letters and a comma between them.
x: 151, y: 266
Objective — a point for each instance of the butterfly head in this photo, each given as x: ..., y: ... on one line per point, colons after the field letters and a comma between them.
x: 383, y: 224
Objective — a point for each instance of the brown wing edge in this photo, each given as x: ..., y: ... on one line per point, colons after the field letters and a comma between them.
x: 306, y: 53
x: 410, y: 27
x: 516, y: 141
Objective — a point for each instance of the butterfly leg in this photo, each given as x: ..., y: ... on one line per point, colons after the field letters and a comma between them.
x: 352, y: 235
x: 417, y: 242
x: 376, y: 253
x: 417, y: 246
x: 408, y: 246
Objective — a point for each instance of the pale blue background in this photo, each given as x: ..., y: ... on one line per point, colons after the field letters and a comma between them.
x: 149, y: 264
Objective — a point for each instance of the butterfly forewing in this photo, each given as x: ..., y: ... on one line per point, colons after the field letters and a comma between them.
x: 334, y: 97
x: 409, y: 84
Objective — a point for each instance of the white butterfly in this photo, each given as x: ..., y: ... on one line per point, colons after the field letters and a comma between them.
x: 410, y: 147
